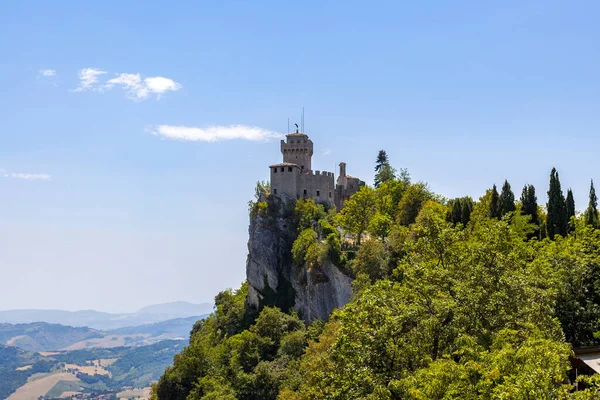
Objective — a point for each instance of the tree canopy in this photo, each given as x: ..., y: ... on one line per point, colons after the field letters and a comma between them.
x: 455, y: 299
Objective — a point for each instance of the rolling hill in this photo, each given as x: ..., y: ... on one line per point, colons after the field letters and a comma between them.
x: 41, y: 336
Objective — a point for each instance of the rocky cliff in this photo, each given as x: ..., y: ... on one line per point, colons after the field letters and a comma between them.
x: 274, y: 280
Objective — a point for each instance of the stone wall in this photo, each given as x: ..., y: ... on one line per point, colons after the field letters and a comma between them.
x: 316, y: 185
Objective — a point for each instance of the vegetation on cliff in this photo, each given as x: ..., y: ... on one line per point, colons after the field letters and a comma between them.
x: 453, y: 299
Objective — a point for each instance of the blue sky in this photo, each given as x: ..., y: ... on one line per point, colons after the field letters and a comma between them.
x: 107, y: 203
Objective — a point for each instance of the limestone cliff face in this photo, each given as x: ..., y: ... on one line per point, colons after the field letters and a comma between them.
x: 273, y: 279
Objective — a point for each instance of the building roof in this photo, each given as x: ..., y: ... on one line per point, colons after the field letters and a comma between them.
x: 296, y: 134
x: 592, y: 360
x: 284, y: 164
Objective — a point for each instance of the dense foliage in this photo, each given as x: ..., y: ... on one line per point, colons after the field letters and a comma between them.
x: 453, y: 299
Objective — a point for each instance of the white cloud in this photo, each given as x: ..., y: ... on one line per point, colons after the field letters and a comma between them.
x: 326, y: 152
x: 88, y: 79
x: 44, y: 177
x: 135, y: 87
x: 48, y: 72
x: 160, y: 85
x: 214, y: 133
x: 138, y: 89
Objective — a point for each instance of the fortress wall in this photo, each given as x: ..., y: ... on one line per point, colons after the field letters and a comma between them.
x: 318, y: 185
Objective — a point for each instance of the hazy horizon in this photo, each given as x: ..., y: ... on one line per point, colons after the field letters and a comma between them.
x: 90, y: 309
x: 132, y: 136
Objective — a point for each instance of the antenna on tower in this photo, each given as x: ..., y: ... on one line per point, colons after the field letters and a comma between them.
x: 288, y: 131
x: 303, y: 120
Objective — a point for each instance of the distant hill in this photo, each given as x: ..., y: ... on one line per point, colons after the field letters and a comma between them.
x: 180, y: 327
x: 41, y: 336
x: 107, y: 321
x: 177, y: 308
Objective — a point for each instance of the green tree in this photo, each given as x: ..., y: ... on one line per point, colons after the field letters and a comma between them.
x: 455, y: 215
x: 307, y: 214
x: 591, y: 213
x: 371, y: 259
x: 460, y: 210
x: 494, y: 204
x: 380, y: 226
x: 356, y: 215
x: 383, y: 170
x: 411, y: 203
x: 570, y: 206
x: 529, y: 205
x: 382, y: 160
x: 506, y: 202
x: 557, y: 210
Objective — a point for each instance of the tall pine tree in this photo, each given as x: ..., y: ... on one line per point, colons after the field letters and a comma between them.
x: 383, y: 170
x: 557, y: 208
x: 591, y: 213
x: 382, y: 160
x: 506, y: 203
x: 493, y: 210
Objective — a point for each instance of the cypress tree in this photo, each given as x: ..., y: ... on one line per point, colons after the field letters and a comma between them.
x: 557, y: 209
x: 591, y: 213
x: 466, y: 205
x: 456, y: 213
x: 506, y: 202
x: 529, y: 206
x: 493, y: 210
x: 570, y: 204
x: 529, y: 203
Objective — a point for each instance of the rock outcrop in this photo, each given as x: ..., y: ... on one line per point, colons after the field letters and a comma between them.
x: 274, y: 280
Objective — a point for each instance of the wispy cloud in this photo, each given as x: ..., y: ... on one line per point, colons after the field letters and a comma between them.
x: 135, y: 87
x: 21, y: 175
x: 326, y: 152
x: 47, y: 72
x: 214, y: 133
x: 31, y: 177
x: 139, y: 89
x: 88, y: 79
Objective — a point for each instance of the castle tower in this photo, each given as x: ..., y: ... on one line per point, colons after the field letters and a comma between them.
x: 297, y: 149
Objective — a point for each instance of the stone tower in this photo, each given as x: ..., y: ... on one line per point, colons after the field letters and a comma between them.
x: 298, y: 150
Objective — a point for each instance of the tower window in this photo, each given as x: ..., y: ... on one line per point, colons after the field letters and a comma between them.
x: 305, y: 192
x: 274, y: 191
x: 281, y: 169
x: 318, y: 193
x: 275, y: 170
x: 289, y: 169
x: 329, y: 194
